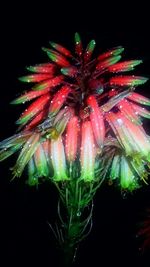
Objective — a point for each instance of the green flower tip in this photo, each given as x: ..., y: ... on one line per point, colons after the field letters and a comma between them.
x: 45, y: 49
x: 140, y: 81
x: 77, y: 38
x: 118, y: 50
x: 91, y: 45
x: 23, y: 79
x: 64, y: 71
x: 54, y: 45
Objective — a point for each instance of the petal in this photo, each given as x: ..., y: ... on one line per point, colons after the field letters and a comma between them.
x: 87, y: 157
x: 97, y: 120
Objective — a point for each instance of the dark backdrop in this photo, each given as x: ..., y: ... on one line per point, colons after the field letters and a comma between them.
x: 25, y: 238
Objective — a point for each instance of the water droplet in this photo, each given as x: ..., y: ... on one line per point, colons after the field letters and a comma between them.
x: 124, y: 194
x: 78, y: 213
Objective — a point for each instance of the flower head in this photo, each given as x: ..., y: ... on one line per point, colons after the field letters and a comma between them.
x: 85, y: 121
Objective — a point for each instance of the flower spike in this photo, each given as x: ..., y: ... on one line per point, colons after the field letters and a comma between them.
x: 83, y: 127
x: 76, y: 98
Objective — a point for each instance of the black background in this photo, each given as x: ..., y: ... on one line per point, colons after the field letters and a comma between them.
x: 25, y: 237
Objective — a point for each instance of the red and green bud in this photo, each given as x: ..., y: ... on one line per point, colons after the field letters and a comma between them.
x: 113, y: 52
x: 43, y: 68
x: 128, y: 80
x: 70, y: 71
x: 89, y: 50
x: 36, y: 107
x: 59, y: 99
x: 61, y: 49
x: 57, y: 58
x: 57, y: 80
x: 124, y: 66
x: 78, y: 45
x: 35, y: 78
x: 107, y: 62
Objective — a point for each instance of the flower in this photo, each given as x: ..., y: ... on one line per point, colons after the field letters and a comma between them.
x: 85, y: 121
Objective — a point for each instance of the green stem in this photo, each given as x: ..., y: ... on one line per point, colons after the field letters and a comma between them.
x: 69, y: 254
x: 71, y: 237
x: 76, y: 223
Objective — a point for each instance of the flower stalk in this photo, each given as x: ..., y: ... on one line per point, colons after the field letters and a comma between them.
x: 76, y: 222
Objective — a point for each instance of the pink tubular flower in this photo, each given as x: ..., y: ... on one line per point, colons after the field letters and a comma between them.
x: 72, y: 133
x: 97, y: 120
x: 58, y: 160
x: 84, y: 121
x: 131, y: 136
x: 87, y: 152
